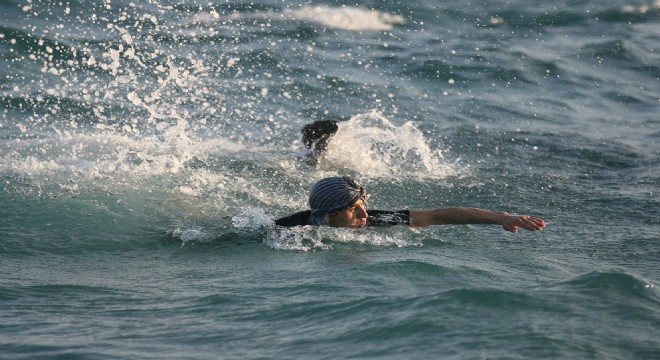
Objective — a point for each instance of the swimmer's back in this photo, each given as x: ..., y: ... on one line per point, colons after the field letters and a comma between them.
x: 377, y: 218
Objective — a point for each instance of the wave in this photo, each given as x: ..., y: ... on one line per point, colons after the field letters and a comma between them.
x: 346, y: 17
x: 612, y: 285
x: 342, y: 18
x: 614, y: 288
x: 570, y: 16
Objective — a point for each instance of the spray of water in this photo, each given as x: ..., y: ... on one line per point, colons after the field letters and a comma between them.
x: 350, y: 18
x: 372, y: 146
x: 312, y: 238
x: 141, y: 109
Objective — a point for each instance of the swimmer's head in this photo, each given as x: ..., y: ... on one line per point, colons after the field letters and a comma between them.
x: 332, y: 195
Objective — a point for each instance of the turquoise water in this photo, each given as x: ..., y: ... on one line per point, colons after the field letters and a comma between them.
x: 145, y: 147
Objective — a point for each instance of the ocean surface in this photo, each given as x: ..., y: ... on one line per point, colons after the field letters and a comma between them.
x: 146, y: 146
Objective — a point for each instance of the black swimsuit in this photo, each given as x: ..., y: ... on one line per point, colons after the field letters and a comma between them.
x: 376, y: 218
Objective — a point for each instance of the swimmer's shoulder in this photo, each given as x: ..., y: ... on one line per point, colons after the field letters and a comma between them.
x: 300, y: 218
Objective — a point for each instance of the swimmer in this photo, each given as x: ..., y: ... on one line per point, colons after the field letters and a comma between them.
x: 342, y: 202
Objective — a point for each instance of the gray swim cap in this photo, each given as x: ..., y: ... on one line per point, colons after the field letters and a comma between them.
x: 331, y: 195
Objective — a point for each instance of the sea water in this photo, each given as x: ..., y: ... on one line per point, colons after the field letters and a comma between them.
x: 146, y: 147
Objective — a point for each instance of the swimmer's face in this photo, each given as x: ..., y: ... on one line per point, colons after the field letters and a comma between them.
x: 355, y: 216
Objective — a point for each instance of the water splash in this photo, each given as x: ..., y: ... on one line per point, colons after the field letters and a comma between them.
x: 119, y: 106
x: 124, y: 99
x: 320, y: 238
x: 349, y: 18
x: 346, y: 17
x: 372, y: 146
x: 189, y: 235
x: 251, y: 218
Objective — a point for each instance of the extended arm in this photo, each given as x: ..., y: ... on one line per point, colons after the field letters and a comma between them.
x: 474, y: 216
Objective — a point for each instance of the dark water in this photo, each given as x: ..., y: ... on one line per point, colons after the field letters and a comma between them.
x: 145, y: 147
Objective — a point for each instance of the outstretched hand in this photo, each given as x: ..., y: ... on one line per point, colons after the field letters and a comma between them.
x: 530, y: 223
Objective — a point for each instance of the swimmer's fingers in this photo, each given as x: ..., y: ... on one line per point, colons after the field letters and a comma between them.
x: 530, y: 223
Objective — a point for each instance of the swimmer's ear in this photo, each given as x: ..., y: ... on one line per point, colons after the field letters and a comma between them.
x: 318, y: 133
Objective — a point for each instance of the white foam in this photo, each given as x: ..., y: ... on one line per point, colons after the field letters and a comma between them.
x: 109, y: 153
x: 251, y: 218
x: 201, y: 174
x: 187, y: 235
x: 337, y: 17
x: 296, y: 238
x: 346, y: 17
x: 372, y: 146
x: 313, y: 238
